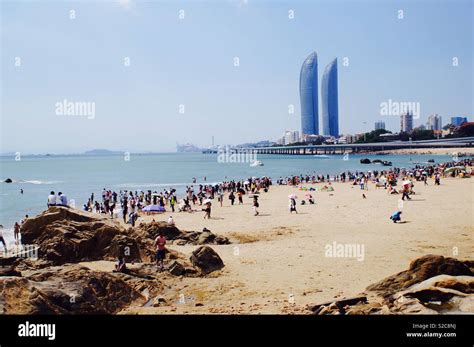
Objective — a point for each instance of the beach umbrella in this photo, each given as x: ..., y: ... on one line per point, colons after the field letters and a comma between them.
x: 292, y: 196
x: 451, y: 169
x: 153, y: 208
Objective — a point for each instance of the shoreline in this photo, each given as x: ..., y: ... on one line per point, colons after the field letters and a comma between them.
x: 460, y: 151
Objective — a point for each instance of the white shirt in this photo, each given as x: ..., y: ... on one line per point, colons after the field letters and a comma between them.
x: 52, y: 199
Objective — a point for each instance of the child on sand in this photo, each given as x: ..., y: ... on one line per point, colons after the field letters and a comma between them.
x: 255, y: 205
x: 293, y: 205
x: 396, y: 217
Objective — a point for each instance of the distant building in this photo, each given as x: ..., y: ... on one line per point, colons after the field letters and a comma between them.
x: 291, y: 137
x: 434, y: 122
x: 344, y: 139
x: 390, y: 137
x: 457, y: 121
x: 379, y: 125
x: 329, y: 99
x: 406, y: 122
x: 311, y: 138
x: 309, y: 95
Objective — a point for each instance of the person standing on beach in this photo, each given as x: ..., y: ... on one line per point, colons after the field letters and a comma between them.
x: 160, y: 243
x: 172, y: 202
x: 437, y: 179
x: 2, y: 240
x: 232, y: 198
x: 239, y: 195
x: 255, y: 205
x: 293, y: 205
x: 16, y: 232
x: 207, y: 211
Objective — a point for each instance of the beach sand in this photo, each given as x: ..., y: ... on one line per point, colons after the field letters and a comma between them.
x: 278, y: 264
x: 433, y: 151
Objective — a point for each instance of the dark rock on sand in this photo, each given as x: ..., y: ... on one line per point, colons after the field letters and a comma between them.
x: 66, y: 235
x: 421, y: 269
x: 9, y: 271
x: 8, y: 180
x: 206, y: 259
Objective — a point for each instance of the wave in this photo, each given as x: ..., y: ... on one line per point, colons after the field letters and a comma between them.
x: 323, y: 156
x: 33, y: 182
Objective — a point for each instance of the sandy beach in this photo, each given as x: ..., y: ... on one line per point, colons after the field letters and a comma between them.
x: 278, y: 263
x: 434, y: 151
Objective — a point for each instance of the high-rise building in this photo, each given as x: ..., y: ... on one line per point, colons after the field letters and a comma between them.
x: 329, y: 100
x: 309, y: 96
x: 458, y: 120
x: 406, y: 122
x: 379, y: 125
x: 291, y: 137
x: 434, y: 122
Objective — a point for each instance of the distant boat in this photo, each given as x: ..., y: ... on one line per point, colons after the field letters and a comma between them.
x: 256, y: 163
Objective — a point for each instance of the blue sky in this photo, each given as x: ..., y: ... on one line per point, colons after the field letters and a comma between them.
x: 190, y: 61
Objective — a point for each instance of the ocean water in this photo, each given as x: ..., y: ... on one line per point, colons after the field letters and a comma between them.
x: 79, y: 176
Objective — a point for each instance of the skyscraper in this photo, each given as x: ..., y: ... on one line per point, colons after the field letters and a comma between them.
x: 309, y: 95
x: 379, y: 125
x: 406, y: 122
x: 434, y: 122
x: 330, y: 100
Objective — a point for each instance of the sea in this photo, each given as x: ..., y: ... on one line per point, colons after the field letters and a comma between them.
x: 78, y: 176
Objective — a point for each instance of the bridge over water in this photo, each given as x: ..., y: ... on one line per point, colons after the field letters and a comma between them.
x: 358, y: 147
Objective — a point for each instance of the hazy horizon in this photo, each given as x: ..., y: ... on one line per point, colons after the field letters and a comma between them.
x: 142, y: 63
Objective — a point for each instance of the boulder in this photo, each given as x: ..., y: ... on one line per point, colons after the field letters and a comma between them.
x: 69, y: 289
x: 176, y: 268
x: 206, y: 260
x: 420, y: 269
x: 66, y: 235
x: 365, y: 161
x: 8, y: 180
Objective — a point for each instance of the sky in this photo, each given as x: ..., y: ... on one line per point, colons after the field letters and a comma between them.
x: 164, y: 72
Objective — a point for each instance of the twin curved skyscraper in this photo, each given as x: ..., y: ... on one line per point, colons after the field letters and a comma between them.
x: 309, y: 98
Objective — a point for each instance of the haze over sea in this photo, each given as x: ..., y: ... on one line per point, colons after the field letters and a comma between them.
x: 80, y: 175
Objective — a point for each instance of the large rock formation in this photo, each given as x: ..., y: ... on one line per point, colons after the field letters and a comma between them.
x: 67, y: 235
x: 421, y: 269
x: 70, y: 289
x: 433, y: 284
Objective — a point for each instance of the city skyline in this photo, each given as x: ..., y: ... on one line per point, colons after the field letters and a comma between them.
x: 157, y: 76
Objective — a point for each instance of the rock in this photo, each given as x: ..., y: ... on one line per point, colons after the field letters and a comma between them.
x: 69, y: 289
x: 420, y: 269
x: 443, y: 294
x: 206, y: 259
x: 365, y: 161
x: 9, y: 271
x: 176, y: 269
x: 206, y: 237
x: 66, y: 235
x: 8, y: 180
x: 180, y: 237
x: 336, y: 304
